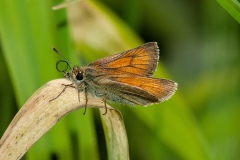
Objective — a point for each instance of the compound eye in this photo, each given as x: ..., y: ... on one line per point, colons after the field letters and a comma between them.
x: 79, y: 76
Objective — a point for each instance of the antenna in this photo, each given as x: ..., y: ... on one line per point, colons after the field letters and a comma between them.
x: 55, y: 50
x: 60, y: 61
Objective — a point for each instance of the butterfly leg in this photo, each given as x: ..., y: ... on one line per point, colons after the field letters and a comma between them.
x: 85, y: 108
x: 105, y: 105
x: 79, y: 96
x: 66, y: 85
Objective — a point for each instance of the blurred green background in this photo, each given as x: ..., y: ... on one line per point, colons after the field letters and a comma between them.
x: 199, y: 43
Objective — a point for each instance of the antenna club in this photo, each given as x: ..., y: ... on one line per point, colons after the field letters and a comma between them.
x: 55, y: 49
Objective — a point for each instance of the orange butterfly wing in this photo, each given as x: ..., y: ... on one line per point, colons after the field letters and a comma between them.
x: 141, y: 61
x: 127, y: 77
x: 139, y: 90
x: 163, y: 89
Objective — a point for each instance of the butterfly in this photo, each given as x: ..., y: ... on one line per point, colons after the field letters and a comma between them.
x: 125, y: 77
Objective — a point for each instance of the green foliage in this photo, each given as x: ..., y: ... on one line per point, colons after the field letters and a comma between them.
x: 232, y: 7
x: 199, y: 47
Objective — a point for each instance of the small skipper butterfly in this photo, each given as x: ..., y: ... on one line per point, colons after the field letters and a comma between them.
x: 125, y: 77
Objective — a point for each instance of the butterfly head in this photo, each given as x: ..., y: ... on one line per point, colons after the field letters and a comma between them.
x: 74, y: 74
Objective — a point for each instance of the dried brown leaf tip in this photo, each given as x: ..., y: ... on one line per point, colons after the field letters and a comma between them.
x: 39, y: 114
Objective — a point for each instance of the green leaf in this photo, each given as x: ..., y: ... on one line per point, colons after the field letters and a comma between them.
x: 232, y: 7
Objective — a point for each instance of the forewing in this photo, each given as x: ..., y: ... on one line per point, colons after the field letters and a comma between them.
x: 141, y: 61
